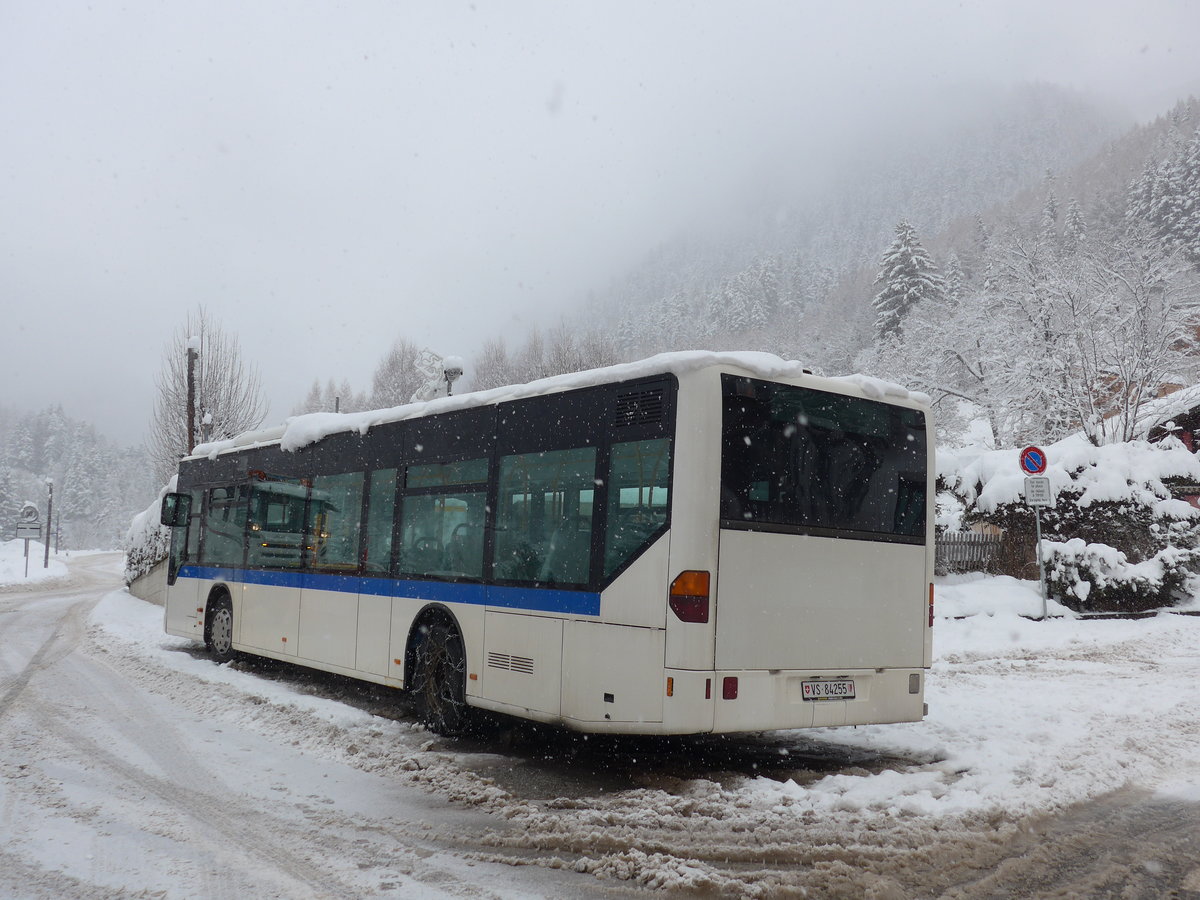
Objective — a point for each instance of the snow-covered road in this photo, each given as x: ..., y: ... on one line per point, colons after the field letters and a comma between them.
x: 1059, y: 759
x: 123, y: 778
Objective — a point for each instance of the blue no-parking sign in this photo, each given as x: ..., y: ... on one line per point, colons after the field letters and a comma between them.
x: 1033, y: 460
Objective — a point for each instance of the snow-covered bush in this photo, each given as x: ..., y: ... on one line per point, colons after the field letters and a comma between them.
x: 1117, y: 497
x: 148, y: 540
x: 1099, y: 578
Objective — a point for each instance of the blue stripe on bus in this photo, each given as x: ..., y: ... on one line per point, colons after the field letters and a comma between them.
x: 580, y: 603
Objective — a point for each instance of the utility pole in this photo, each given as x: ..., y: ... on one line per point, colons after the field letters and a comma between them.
x: 192, y: 353
x: 49, y: 520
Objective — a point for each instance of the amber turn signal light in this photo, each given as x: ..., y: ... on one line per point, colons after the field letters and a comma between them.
x: 689, y: 596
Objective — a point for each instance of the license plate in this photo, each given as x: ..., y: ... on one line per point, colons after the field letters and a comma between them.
x: 842, y: 689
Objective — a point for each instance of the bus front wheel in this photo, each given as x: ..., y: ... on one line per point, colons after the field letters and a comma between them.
x: 440, y: 678
x: 218, y: 630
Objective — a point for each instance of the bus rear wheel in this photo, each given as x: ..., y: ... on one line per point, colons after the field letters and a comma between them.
x: 218, y: 630
x: 440, y: 679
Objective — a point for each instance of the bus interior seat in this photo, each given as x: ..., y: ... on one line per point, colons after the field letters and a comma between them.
x: 425, y: 556
x: 568, y: 552
x: 464, y: 555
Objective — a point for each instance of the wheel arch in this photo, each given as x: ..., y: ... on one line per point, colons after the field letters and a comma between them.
x: 431, y: 614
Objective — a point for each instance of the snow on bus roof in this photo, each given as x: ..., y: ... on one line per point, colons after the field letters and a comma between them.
x: 301, y: 431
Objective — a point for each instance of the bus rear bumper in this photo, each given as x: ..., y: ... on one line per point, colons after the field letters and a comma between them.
x: 757, y: 700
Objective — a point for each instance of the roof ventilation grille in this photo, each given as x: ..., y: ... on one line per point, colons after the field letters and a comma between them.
x: 644, y: 407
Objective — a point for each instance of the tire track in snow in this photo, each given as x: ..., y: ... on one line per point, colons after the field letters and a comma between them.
x: 28, y: 881
x: 234, y: 828
x: 63, y: 639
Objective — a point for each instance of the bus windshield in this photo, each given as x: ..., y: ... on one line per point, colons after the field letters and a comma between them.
x: 814, y: 462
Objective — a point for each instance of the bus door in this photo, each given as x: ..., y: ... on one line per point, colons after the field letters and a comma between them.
x: 269, y: 610
x: 328, y: 609
x: 183, y: 606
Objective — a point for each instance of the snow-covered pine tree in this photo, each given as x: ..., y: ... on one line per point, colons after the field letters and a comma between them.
x: 1167, y: 195
x: 907, y: 276
x: 735, y: 305
x: 10, y: 505
x: 676, y: 320
x: 1186, y: 227
x: 955, y: 279
x: 1048, y: 227
x: 1075, y: 229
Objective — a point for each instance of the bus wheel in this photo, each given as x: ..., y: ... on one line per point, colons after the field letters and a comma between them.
x: 218, y: 631
x: 439, y: 682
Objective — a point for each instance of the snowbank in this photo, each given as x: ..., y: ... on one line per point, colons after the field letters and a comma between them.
x: 12, y: 565
x: 976, y: 594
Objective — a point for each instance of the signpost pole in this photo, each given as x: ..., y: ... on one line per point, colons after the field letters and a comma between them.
x: 1037, y: 494
x: 26, y: 557
x: 49, y: 519
x: 1037, y: 518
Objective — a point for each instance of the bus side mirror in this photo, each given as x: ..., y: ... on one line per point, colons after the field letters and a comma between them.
x: 175, y: 510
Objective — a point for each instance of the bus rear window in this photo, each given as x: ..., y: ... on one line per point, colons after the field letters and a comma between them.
x: 793, y: 458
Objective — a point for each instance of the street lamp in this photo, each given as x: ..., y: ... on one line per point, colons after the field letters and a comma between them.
x: 452, y: 369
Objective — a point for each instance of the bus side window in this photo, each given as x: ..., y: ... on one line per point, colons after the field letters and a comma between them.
x: 544, y: 523
x: 638, y: 494
x: 275, y: 524
x: 442, y: 534
x: 335, y: 521
x: 224, y: 526
x: 381, y: 513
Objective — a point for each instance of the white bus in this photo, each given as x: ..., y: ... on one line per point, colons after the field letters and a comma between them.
x: 698, y: 542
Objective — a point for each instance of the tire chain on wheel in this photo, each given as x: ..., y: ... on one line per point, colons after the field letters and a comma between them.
x: 439, y: 681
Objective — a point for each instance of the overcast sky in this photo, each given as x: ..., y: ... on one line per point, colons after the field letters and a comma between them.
x: 325, y: 177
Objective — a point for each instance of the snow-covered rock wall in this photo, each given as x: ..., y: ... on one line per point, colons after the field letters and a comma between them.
x: 147, y: 541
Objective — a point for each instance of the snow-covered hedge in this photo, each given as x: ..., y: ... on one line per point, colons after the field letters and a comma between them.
x: 1116, y: 499
x: 147, y: 541
x: 1099, y: 578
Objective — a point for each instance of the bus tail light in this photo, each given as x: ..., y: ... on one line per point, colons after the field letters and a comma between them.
x: 689, y: 596
x: 729, y: 687
x: 931, y: 604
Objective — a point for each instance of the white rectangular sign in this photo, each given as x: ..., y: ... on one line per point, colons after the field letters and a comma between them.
x: 1037, y: 491
x: 29, y: 532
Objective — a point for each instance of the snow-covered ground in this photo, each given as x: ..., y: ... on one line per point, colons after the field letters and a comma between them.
x: 13, y: 565
x: 1026, y: 718
x: 1024, y: 714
